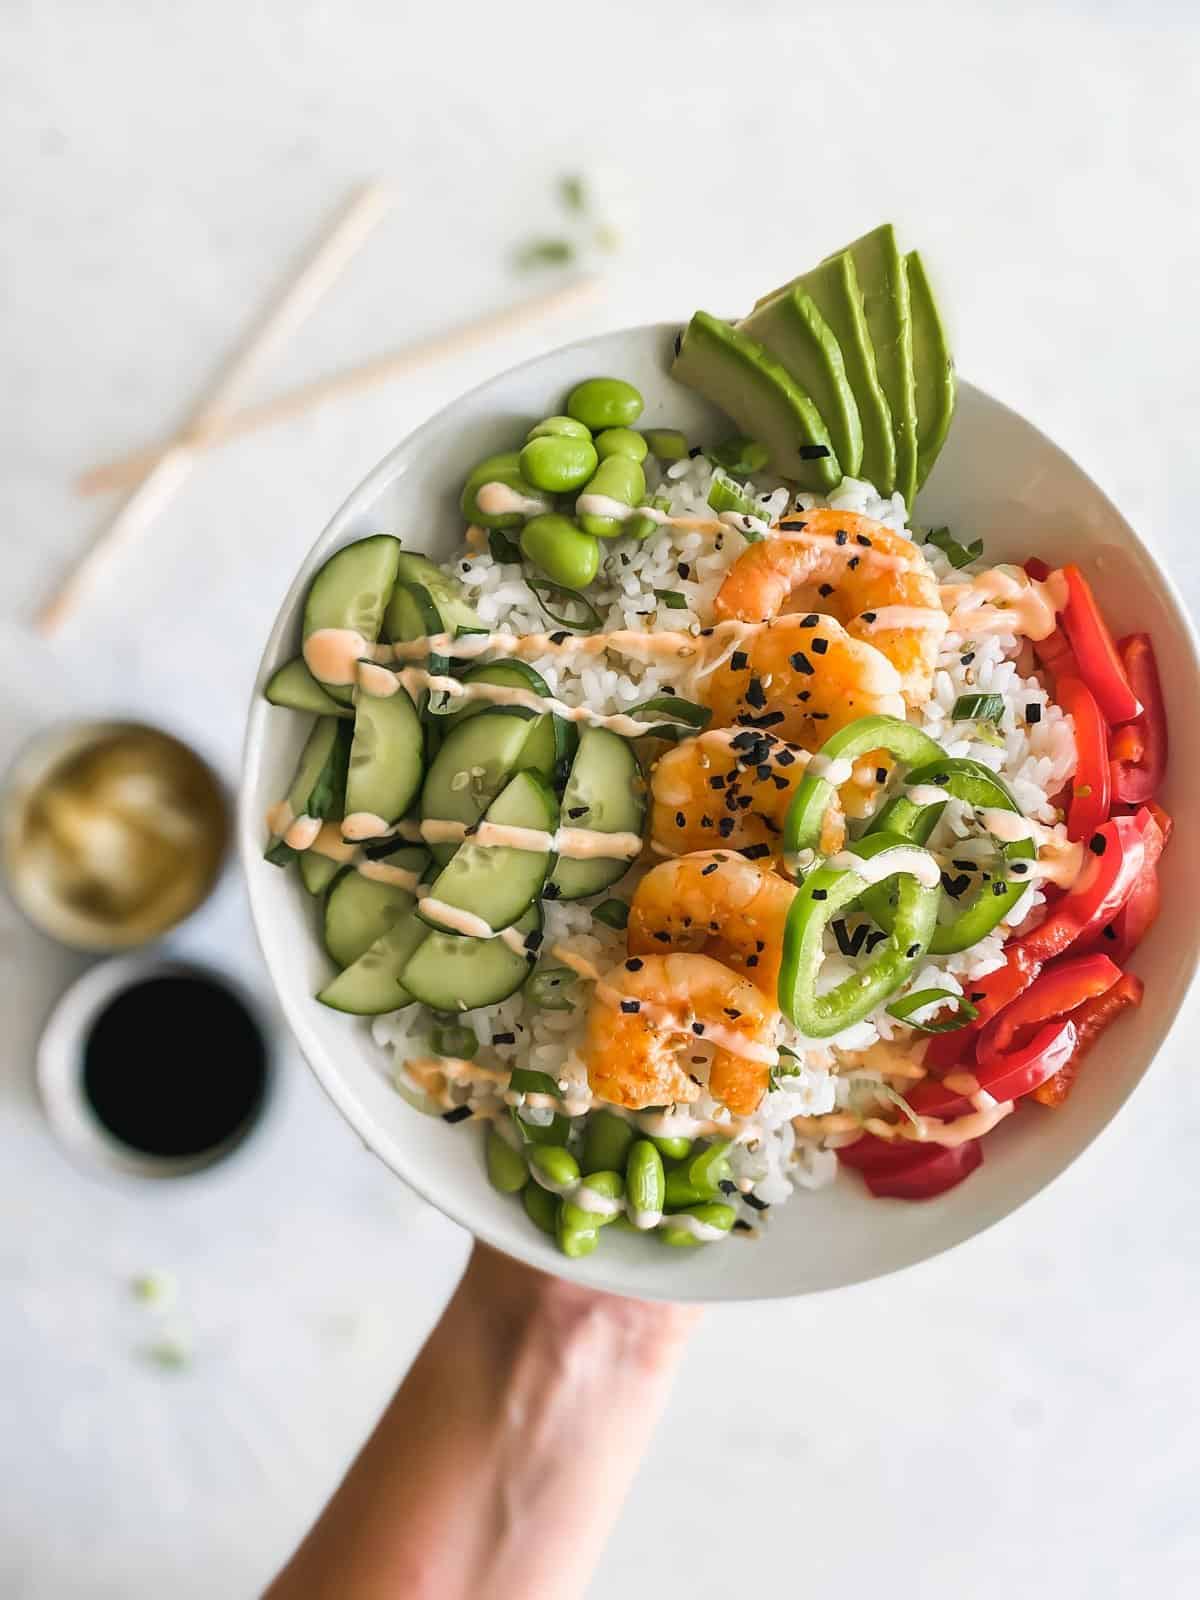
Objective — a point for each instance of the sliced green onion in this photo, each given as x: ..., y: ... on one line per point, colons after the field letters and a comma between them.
x: 503, y: 549
x: 525, y: 1081
x: 678, y: 713
x: 545, y: 989
x: 956, y: 554
x: 741, y: 455
x: 612, y: 913
x: 671, y: 599
x: 572, y: 192
x: 903, y: 1010
x: 725, y: 495
x: 978, y: 708
x: 779, y: 1070
x: 544, y: 253
x: 662, y: 502
x: 986, y: 734
x: 542, y: 588
x: 556, y: 1131
x: 451, y: 1039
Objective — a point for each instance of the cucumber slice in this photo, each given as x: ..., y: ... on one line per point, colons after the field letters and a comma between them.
x: 359, y: 911
x: 450, y: 973
x: 498, y: 883
x: 446, y: 593
x: 350, y: 591
x: 552, y: 742
x: 294, y: 686
x: 371, y: 985
x: 605, y: 791
x: 317, y: 872
x: 476, y: 760
x: 386, y: 759
x: 319, y: 784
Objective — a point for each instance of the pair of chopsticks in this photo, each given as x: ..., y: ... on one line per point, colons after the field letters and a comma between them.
x: 152, y: 476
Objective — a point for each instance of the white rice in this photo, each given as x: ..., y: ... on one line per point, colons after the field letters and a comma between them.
x: 1035, y: 760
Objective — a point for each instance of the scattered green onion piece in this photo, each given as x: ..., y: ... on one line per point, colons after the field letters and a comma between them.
x: 661, y: 502
x: 978, y: 708
x: 546, y: 987
x: 956, y: 554
x: 572, y: 192
x: 671, y: 599
x: 725, y: 495
x: 542, y: 587
x: 871, y: 1091
x: 452, y: 1039
x: 903, y: 1010
x: 525, y: 1081
x: 555, y: 1132
x: 503, y: 549
x: 612, y: 913
x: 680, y: 714
x: 741, y: 455
x: 545, y: 253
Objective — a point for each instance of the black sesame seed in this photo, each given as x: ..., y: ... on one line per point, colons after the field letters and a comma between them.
x: 534, y: 939
x: 800, y: 663
x: 913, y: 950
x: 739, y: 661
x: 861, y: 538
x: 706, y: 633
x: 1019, y: 867
x: 853, y: 562
x: 634, y: 964
x: 769, y: 719
x: 706, y: 822
x: 577, y: 811
x: 709, y: 869
x: 694, y: 452
x: 813, y: 452
x: 755, y: 852
x: 727, y: 1186
x: 780, y: 783
x: 697, y: 1027
x: 785, y: 758
x: 742, y: 1226
x: 682, y: 568
x: 678, y: 343
x: 968, y: 658
x: 763, y: 771
x: 876, y: 936
x: 841, y: 537
x: 560, y: 637
x: 1110, y: 932
x: 459, y: 1114
x: 869, y: 616
x: 954, y: 886
x: 964, y: 864
x: 825, y: 590
x: 756, y: 695
x: 751, y: 961
x: 760, y: 945
x: 551, y: 892
x: 810, y: 621
x: 717, y: 781
x: 1033, y: 713
x: 805, y: 694
x: 880, y: 774
x: 755, y: 1203
x: 792, y: 524
x: 976, y: 996
x: 1097, y: 844
x: 745, y: 801
x: 725, y: 827
x: 680, y: 820
x: 631, y: 1007
x: 999, y: 887
x: 820, y: 646
x: 744, y: 741
x: 663, y: 938
x: 504, y: 1038
x: 817, y: 716
x: 820, y: 894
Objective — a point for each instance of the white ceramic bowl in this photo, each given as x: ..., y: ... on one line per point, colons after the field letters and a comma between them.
x: 999, y: 479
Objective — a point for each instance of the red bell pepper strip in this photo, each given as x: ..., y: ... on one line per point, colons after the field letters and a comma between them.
x: 1059, y: 988
x: 1009, y: 1073
x: 872, y: 1154
x: 1113, y: 860
x: 1139, y: 750
x: 1100, y: 666
x: 1121, y: 937
x: 934, y: 1170
x: 989, y: 995
x: 1090, y: 1021
x: 1089, y: 803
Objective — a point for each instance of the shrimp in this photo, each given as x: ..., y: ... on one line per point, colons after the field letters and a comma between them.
x: 733, y: 786
x: 653, y: 1013
x: 867, y: 576
x: 803, y: 677
x: 720, y: 904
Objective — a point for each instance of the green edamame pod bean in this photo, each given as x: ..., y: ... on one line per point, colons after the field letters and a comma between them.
x: 596, y: 1202
x: 606, y: 1142
x: 575, y: 1242
x: 558, y: 464
x: 554, y: 1168
x: 505, y: 469
x: 640, y: 527
x: 710, y: 1167
x: 541, y: 1207
x: 668, y: 444
x: 645, y: 1185
x: 605, y: 403
x: 702, y: 1224
x: 679, y: 1191
x: 560, y: 427
x: 672, y: 1147
x: 741, y: 455
x: 616, y: 478
x: 560, y: 549
x: 621, y: 442
x: 506, y: 1167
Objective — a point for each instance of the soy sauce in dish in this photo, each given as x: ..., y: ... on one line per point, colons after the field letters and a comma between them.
x: 175, y: 1065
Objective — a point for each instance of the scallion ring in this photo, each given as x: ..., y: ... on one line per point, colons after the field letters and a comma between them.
x: 904, y: 1008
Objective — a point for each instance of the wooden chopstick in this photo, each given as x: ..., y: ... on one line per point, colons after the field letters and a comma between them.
x: 120, y: 472
x: 157, y: 481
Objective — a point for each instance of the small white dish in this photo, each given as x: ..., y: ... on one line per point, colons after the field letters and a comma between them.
x: 998, y: 479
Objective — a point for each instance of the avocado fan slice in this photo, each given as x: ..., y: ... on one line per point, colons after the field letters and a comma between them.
x: 933, y: 365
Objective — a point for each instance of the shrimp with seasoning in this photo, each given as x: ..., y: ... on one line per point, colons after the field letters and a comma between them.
x: 867, y: 576
x: 651, y: 1013
x: 734, y: 786
x: 720, y: 904
x: 802, y: 677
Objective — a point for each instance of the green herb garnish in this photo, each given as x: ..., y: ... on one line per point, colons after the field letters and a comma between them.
x: 956, y: 554
x: 612, y: 913
x: 903, y: 1010
x: 978, y: 708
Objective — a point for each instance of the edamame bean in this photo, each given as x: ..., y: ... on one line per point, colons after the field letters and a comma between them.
x: 558, y: 464
x: 506, y: 1167
x: 605, y: 403
x: 606, y: 1143
x: 616, y: 478
x: 541, y: 1207
x: 645, y: 1185
x: 554, y: 1168
x: 621, y: 442
x: 680, y: 1191
x: 575, y: 1242
x: 708, y: 1169
x: 640, y: 527
x: 672, y: 1147
x: 668, y: 444
x: 596, y: 1202
x: 741, y: 455
x: 561, y: 550
x: 559, y: 427
x: 702, y: 1224
x: 505, y: 469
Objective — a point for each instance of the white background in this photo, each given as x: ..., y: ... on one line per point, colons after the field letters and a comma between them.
x: 1015, y: 1419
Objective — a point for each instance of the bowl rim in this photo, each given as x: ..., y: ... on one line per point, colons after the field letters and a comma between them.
x: 326, y: 1072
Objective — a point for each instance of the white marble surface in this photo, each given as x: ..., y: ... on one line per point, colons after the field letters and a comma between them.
x: 1016, y: 1418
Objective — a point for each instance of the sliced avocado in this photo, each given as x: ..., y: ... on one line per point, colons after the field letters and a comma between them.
x: 884, y: 284
x: 792, y: 329
x: 833, y: 287
x: 738, y: 375
x: 934, y: 367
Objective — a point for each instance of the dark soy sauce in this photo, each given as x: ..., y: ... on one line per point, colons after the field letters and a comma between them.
x: 175, y: 1065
